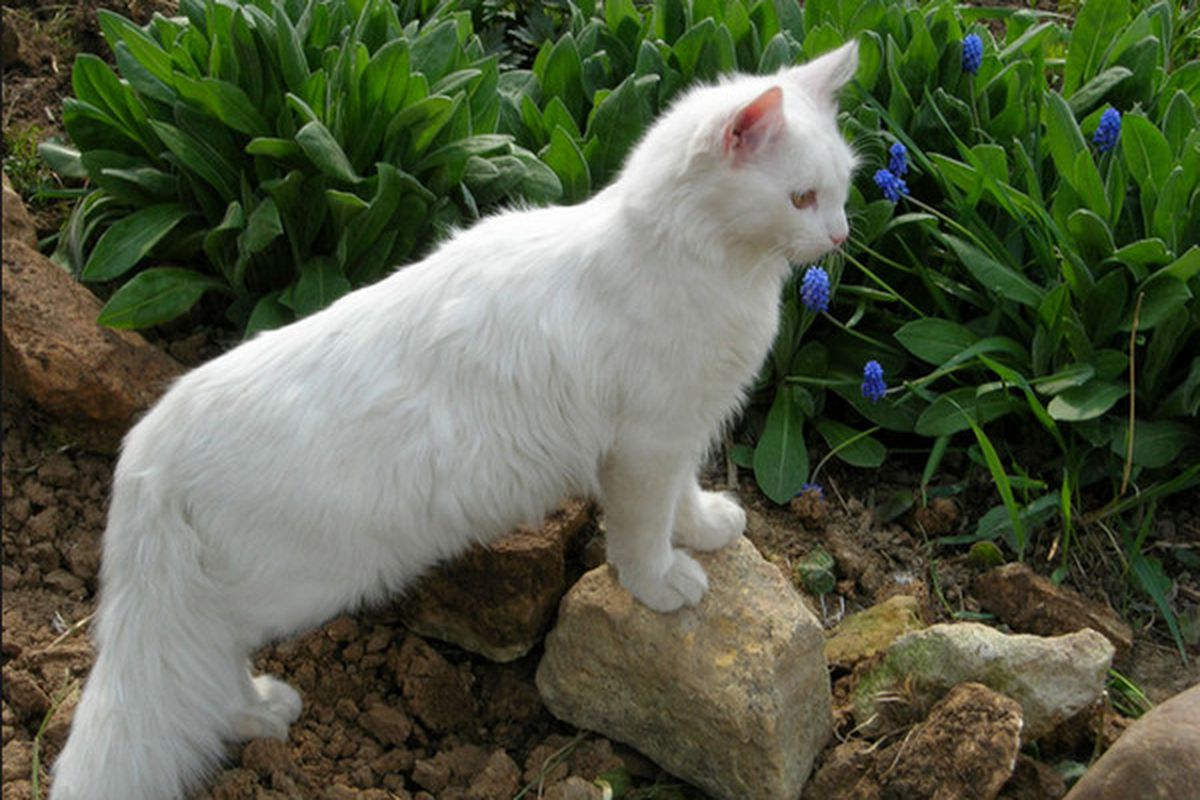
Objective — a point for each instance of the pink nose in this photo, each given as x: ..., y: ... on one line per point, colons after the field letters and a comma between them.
x: 837, y: 239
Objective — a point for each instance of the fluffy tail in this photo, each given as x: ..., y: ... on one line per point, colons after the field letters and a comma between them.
x: 170, y: 680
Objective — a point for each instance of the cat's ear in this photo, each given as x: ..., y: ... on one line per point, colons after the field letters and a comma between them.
x: 825, y: 76
x: 754, y: 124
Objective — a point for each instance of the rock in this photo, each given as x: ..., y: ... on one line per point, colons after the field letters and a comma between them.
x: 871, y: 631
x: 497, y: 601
x: 499, y: 779
x: 94, y: 379
x: 964, y: 750
x: 438, y: 693
x: 1029, y: 603
x: 389, y: 725
x: 17, y: 760
x: 574, y: 788
x: 18, y: 225
x: 1052, y: 678
x: 1158, y: 757
x: 731, y: 695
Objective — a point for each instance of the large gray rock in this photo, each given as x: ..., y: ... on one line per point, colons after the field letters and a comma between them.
x: 731, y: 695
x: 497, y: 601
x: 1053, y: 678
x: 1158, y: 758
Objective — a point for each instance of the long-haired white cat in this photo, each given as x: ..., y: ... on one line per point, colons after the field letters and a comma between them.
x: 591, y: 349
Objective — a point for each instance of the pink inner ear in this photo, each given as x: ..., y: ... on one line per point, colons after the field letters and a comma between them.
x: 754, y: 123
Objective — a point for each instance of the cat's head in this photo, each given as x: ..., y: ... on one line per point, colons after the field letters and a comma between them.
x: 758, y: 164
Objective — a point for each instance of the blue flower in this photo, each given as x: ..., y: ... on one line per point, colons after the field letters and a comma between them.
x: 1109, y: 131
x: 893, y: 188
x: 813, y: 487
x: 898, y: 163
x: 873, y: 387
x: 972, y: 53
x: 814, y: 289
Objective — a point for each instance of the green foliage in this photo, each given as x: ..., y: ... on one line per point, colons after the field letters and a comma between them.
x: 280, y: 153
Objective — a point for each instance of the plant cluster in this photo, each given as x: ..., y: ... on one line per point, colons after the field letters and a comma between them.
x: 1025, y: 239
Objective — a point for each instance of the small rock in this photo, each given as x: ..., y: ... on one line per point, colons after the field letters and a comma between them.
x: 966, y: 749
x: 18, y: 225
x: 23, y: 694
x: 500, y: 779
x: 387, y: 724
x: 1158, y: 757
x: 731, y: 695
x: 574, y: 788
x: 497, y: 601
x: 95, y: 380
x: 64, y: 582
x: 1052, y: 678
x: 436, y: 691
x: 1029, y: 603
x: 868, y: 632
x: 17, y: 760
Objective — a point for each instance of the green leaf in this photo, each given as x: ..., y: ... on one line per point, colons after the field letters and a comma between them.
x: 268, y: 314
x: 1088, y: 401
x: 945, y: 415
x: 615, y: 125
x: 63, y: 159
x: 566, y: 159
x: 1063, y: 136
x: 1145, y: 151
x: 1155, y: 443
x: 325, y: 153
x: 155, y: 296
x: 127, y: 242
x: 1164, y: 295
x: 851, y: 446
x: 993, y: 275
x: 320, y: 283
x: 1150, y: 576
x: 147, y: 51
x: 781, y: 457
x: 935, y: 340
x: 1096, y: 26
x: 1091, y: 93
x: 226, y: 101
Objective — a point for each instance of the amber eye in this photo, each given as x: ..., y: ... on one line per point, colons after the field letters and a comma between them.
x: 804, y: 199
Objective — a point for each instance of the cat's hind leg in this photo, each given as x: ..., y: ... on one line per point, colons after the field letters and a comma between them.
x: 270, y: 707
x: 640, y: 489
x: 707, y: 520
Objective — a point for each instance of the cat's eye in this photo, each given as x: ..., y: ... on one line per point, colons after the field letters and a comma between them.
x: 804, y: 199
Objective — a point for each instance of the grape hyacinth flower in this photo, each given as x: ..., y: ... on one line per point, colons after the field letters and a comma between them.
x: 972, y: 53
x: 873, y: 387
x: 898, y: 162
x: 1108, y: 132
x: 814, y: 289
x: 893, y: 188
x: 813, y: 487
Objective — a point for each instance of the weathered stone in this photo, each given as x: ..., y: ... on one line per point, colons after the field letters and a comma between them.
x: 964, y: 750
x: 1156, y: 759
x: 497, y: 601
x: 731, y: 695
x: 1052, y: 678
x: 871, y: 631
x: 18, y: 225
x: 93, y: 379
x: 1029, y: 603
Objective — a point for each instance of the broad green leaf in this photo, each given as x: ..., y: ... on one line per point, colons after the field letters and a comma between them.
x: 993, y: 275
x: 1091, y: 93
x: 1096, y: 26
x: 147, y: 51
x: 1170, y: 212
x: 1155, y: 443
x: 226, y: 101
x: 935, y: 340
x: 614, y: 126
x: 851, y: 446
x: 566, y: 159
x: 1063, y: 136
x: 945, y: 414
x: 63, y: 159
x: 1163, y: 296
x: 1069, y: 377
x: 781, y: 457
x: 1088, y: 401
x: 127, y: 242
x: 282, y: 149
x: 1143, y: 252
x: 320, y: 283
x: 154, y: 296
x: 1146, y: 152
x: 324, y: 152
x: 268, y: 314
x: 200, y: 157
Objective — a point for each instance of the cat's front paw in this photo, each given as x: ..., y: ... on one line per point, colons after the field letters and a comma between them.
x: 683, y: 583
x: 712, y: 521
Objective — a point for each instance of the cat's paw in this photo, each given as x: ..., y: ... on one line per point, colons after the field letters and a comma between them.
x: 277, y: 707
x: 714, y: 521
x: 683, y: 583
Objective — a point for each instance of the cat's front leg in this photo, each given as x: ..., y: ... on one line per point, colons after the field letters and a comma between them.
x: 707, y: 520
x: 640, y: 490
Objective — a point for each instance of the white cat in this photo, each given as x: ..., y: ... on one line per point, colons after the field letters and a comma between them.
x: 592, y: 349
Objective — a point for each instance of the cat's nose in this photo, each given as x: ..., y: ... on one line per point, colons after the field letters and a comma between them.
x: 837, y: 239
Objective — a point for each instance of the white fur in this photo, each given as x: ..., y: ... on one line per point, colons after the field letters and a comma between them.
x: 589, y: 349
